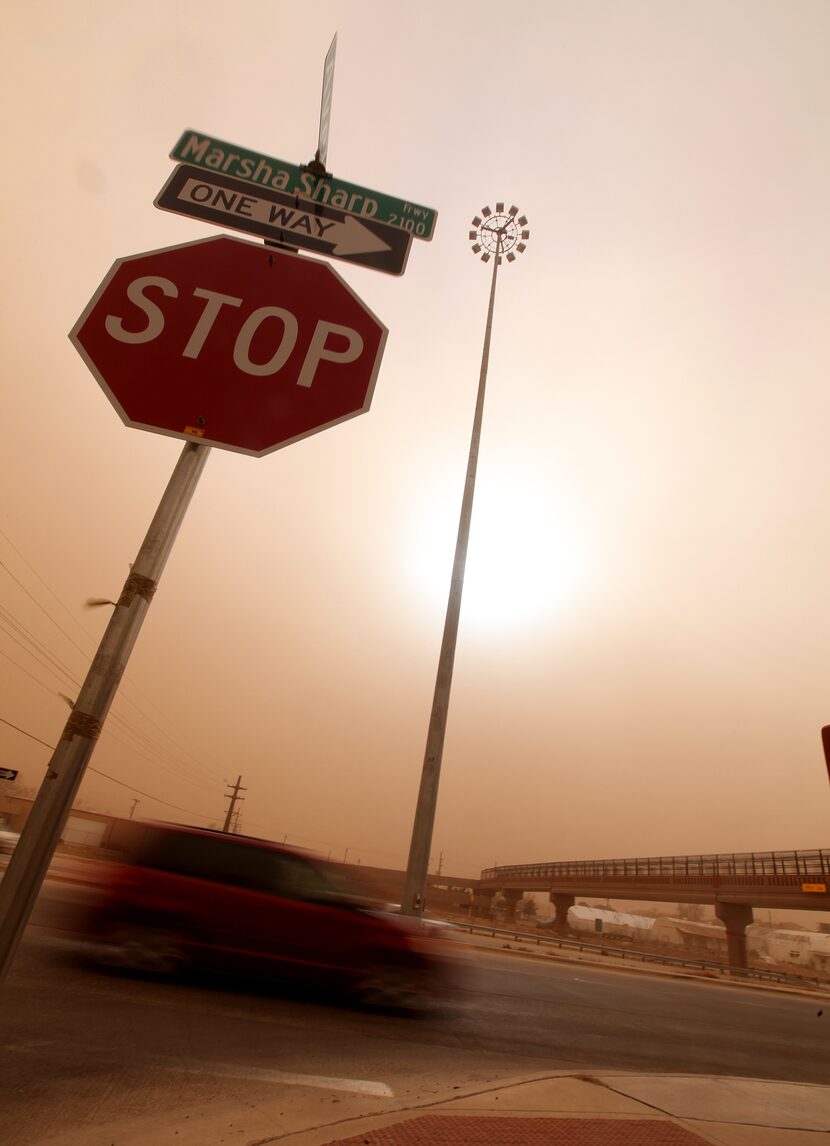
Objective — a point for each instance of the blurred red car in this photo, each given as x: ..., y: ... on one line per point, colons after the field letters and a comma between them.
x: 195, y: 898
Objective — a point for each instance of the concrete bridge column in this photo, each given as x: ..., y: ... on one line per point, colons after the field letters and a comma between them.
x: 512, y: 896
x: 483, y: 904
x: 735, y: 917
x: 561, y: 903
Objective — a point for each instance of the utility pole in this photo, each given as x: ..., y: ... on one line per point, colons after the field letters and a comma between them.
x: 136, y: 802
x: 234, y: 797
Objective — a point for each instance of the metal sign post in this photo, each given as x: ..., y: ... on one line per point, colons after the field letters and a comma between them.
x: 321, y: 155
x: 41, y: 832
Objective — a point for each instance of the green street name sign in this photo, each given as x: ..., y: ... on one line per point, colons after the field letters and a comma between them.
x: 215, y: 154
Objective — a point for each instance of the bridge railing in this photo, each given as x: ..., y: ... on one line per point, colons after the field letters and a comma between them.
x: 807, y: 863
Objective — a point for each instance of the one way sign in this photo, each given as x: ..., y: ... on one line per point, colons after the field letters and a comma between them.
x: 285, y: 218
x: 8, y: 773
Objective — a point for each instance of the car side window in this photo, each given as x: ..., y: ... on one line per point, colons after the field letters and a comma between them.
x: 217, y: 860
x: 294, y: 878
x: 223, y: 860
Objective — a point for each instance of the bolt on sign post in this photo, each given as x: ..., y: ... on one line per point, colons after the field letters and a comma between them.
x: 218, y: 342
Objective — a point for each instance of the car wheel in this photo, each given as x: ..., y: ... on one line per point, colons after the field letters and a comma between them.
x: 139, y: 947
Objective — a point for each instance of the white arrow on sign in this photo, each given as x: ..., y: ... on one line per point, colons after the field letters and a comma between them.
x: 346, y: 237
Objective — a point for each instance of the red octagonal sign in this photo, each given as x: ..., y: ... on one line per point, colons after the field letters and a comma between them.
x: 243, y: 346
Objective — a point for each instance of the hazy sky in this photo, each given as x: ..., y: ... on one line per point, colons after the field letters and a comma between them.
x: 643, y: 663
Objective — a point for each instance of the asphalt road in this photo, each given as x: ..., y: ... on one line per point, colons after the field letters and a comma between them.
x: 90, y: 1053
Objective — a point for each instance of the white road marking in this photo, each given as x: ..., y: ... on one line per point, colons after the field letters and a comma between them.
x: 259, y: 1074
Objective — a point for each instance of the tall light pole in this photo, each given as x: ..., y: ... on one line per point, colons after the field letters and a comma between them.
x: 496, y: 235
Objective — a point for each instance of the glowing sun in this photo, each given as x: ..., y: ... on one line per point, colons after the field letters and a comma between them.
x: 525, y: 558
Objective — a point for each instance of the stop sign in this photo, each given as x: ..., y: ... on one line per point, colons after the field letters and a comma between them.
x: 241, y: 345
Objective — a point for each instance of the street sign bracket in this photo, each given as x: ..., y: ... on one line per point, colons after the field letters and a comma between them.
x: 316, y: 167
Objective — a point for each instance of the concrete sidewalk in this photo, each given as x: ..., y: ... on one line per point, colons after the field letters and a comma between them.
x: 603, y: 1109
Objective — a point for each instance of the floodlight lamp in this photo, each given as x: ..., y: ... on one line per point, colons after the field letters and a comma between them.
x: 498, y: 234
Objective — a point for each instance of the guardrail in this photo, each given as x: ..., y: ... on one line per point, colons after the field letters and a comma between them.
x: 644, y: 956
x: 813, y: 862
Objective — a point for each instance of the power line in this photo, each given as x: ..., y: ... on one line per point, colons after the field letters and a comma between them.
x: 58, y: 668
x: 50, y: 591
x: 169, y: 766
x: 199, y: 762
x: 45, y: 613
x: 26, y: 671
x: 129, y: 727
x: 217, y: 775
x: 164, y: 762
x: 167, y: 804
x: 189, y: 811
x: 25, y: 733
x: 106, y: 775
x: 37, y: 650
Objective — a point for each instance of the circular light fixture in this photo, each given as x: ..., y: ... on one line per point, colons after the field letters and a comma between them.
x: 499, y: 233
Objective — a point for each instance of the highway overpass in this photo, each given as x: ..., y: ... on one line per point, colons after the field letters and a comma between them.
x: 733, y: 883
